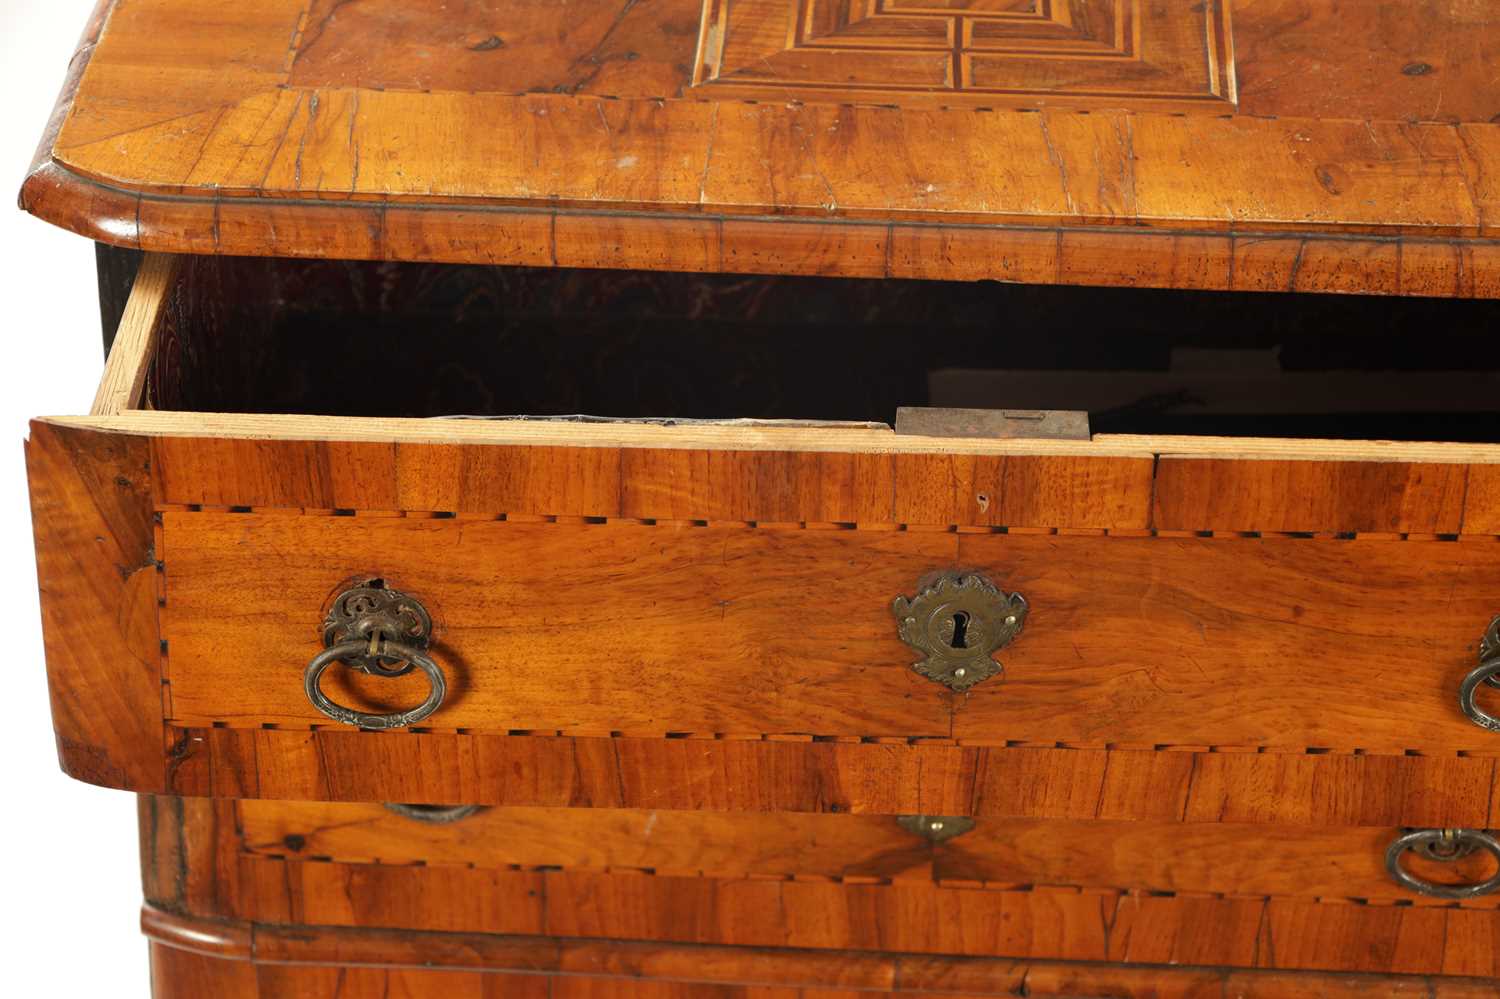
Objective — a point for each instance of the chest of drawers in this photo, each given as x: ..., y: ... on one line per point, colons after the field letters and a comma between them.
x: 753, y: 690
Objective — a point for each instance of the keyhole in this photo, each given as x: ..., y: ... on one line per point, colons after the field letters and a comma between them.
x: 960, y: 630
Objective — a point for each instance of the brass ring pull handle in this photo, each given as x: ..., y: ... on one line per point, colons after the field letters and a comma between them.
x: 381, y: 632
x: 433, y: 814
x: 1443, y: 845
x: 392, y: 652
x: 1487, y: 673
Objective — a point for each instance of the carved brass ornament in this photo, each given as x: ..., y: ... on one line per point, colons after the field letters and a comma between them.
x: 958, y: 621
x: 363, y: 611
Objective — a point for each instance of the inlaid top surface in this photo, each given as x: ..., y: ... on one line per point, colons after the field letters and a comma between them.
x: 202, y: 125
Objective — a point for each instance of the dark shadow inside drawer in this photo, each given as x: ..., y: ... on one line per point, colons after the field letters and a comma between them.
x: 421, y: 340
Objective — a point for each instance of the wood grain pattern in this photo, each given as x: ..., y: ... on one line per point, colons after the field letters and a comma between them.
x: 741, y: 484
x: 1087, y: 53
x: 618, y: 627
x: 808, y: 476
x: 398, y: 912
x: 1370, y: 497
x: 1212, y: 858
x: 902, y: 916
x: 726, y: 483
x: 515, y: 133
x: 351, y: 963
x: 134, y: 345
x: 181, y: 974
x: 636, y: 629
x: 189, y: 861
x: 766, y: 844
x: 801, y: 775
x: 91, y: 514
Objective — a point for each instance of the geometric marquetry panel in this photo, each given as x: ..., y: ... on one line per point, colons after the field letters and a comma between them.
x: 970, y: 53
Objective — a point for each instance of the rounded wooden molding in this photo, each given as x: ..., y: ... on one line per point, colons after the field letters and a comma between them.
x: 447, y: 232
x: 1303, y: 235
x: 225, y: 939
x: 686, y: 964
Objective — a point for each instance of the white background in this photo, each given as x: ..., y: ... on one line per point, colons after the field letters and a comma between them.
x: 69, y: 867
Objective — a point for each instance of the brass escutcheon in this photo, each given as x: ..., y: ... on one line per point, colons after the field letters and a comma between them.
x: 957, y: 621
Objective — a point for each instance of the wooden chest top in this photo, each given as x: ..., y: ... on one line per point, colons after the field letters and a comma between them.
x: 1176, y: 132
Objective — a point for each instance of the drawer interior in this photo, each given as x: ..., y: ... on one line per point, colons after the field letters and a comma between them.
x: 326, y: 338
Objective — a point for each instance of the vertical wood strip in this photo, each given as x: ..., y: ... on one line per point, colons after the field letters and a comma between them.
x: 91, y: 513
x: 134, y: 347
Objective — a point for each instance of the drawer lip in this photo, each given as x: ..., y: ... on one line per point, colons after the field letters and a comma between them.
x: 537, y: 433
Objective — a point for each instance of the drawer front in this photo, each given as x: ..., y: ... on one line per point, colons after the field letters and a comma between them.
x: 1134, y: 894
x: 1154, y: 858
x: 786, y: 630
x: 610, y: 635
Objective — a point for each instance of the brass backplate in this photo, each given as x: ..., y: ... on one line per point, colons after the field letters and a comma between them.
x: 937, y: 828
x: 371, y: 609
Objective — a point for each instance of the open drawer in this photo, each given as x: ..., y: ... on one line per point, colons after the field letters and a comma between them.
x: 727, y: 615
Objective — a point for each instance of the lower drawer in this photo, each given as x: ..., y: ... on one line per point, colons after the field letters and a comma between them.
x: 1251, y: 898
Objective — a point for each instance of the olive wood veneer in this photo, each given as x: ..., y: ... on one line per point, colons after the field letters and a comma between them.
x: 799, y: 902
x: 1269, y: 145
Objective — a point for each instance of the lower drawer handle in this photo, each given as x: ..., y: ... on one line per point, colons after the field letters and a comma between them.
x: 1486, y: 673
x: 433, y: 814
x: 383, y: 632
x: 1443, y: 845
x: 391, y: 652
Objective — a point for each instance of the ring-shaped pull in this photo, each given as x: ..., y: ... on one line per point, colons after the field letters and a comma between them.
x: 1487, y: 671
x: 390, y: 652
x: 433, y: 814
x: 1443, y: 844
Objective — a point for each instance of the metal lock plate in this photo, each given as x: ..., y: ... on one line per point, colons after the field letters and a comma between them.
x: 958, y: 621
x: 994, y: 424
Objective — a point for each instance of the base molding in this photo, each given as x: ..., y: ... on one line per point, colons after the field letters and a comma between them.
x: 238, y: 960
